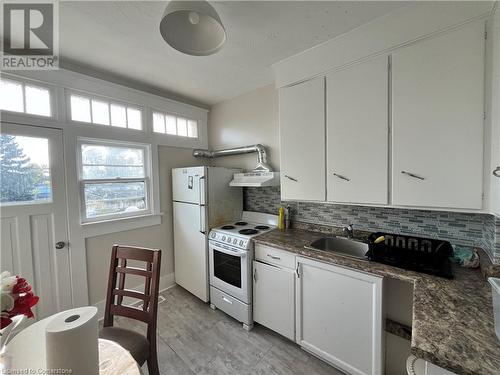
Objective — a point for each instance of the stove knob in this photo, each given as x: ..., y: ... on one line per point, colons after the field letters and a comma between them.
x: 229, y: 240
x: 235, y: 241
x: 241, y: 242
x: 213, y: 235
x: 223, y: 238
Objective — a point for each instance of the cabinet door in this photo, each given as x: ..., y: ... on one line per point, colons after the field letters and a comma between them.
x: 357, y: 133
x: 274, y: 298
x: 339, y: 316
x: 302, y: 141
x: 437, y: 96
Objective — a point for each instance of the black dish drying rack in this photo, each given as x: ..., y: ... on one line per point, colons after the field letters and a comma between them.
x: 419, y: 254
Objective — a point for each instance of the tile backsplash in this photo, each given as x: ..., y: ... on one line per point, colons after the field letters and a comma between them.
x: 468, y: 229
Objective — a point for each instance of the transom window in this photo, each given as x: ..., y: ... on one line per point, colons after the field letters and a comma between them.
x: 166, y: 123
x: 22, y: 97
x: 103, y: 112
x: 114, y: 180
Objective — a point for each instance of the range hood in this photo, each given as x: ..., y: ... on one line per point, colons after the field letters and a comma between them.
x: 261, y: 175
x: 256, y: 179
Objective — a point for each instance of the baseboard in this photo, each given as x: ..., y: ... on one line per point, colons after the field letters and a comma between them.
x: 166, y: 282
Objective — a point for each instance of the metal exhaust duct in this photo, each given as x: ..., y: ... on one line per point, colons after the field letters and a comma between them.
x: 261, y: 166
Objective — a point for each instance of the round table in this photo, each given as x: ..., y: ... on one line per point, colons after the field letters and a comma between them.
x: 27, y: 351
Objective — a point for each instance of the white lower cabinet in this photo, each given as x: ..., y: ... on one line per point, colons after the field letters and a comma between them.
x: 274, y: 298
x: 339, y: 316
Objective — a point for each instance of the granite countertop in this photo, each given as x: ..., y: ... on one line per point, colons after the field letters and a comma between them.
x: 452, y: 319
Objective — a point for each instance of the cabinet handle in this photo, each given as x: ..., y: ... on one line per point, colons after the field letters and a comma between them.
x: 291, y: 178
x: 255, y: 275
x: 413, y: 175
x: 297, y: 271
x: 342, y: 177
x: 496, y: 172
x: 273, y: 257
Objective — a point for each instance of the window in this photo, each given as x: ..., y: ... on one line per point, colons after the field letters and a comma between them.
x: 102, y: 112
x: 24, y: 170
x: 114, y: 179
x: 21, y: 97
x: 166, y: 123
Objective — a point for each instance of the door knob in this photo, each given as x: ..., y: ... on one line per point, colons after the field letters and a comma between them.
x: 60, y: 245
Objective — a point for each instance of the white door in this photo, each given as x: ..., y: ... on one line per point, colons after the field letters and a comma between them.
x: 339, y: 316
x: 302, y: 141
x: 188, y: 185
x: 274, y: 298
x: 438, y: 109
x: 34, y: 230
x: 357, y: 133
x: 190, y: 249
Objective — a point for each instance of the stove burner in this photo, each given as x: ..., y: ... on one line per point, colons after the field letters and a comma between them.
x: 241, y: 223
x: 248, y: 231
x: 228, y: 227
x: 262, y: 227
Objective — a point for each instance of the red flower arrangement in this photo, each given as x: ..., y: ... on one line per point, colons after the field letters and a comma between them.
x: 17, y: 298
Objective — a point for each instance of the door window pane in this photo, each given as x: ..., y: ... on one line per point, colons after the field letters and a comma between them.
x: 80, y: 109
x: 37, y: 101
x: 158, y: 122
x: 134, y: 119
x: 114, y: 198
x: 118, y: 116
x: 182, y: 127
x: 11, y: 96
x: 24, y: 170
x: 171, y: 125
x: 192, y: 129
x: 100, y: 112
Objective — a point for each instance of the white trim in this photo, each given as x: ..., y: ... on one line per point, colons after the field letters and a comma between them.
x: 93, y: 229
x: 166, y: 282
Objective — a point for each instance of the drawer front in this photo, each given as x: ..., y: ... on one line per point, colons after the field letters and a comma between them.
x: 231, y: 306
x: 274, y: 256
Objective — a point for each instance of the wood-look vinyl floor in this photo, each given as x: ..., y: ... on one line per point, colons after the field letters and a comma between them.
x: 194, y: 339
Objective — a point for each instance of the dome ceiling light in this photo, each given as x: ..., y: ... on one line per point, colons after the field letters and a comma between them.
x: 192, y: 27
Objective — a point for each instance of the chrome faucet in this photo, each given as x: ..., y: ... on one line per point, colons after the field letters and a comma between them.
x: 348, y: 231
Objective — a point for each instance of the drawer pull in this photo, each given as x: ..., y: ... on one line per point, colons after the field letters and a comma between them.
x: 496, y: 172
x: 273, y: 257
x: 227, y: 300
x: 291, y: 178
x: 413, y: 175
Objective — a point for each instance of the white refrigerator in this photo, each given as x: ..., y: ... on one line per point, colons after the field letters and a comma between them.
x: 202, y: 199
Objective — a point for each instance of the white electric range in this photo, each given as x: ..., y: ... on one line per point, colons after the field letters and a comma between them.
x: 230, y: 256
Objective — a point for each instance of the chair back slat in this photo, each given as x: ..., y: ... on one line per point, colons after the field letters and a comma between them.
x: 132, y: 294
x: 117, y: 273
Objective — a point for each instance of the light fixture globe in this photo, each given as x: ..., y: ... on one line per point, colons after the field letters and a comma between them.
x: 192, y: 27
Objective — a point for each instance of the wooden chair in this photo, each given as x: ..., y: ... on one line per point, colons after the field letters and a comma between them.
x: 142, y: 348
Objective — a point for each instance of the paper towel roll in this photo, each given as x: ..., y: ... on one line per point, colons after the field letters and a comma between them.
x: 72, y: 342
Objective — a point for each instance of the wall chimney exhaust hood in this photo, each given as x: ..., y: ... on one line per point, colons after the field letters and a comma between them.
x: 256, y: 179
x: 261, y: 175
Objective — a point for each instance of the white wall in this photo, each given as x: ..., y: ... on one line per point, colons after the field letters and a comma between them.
x: 494, y: 112
x: 246, y: 120
x: 158, y: 236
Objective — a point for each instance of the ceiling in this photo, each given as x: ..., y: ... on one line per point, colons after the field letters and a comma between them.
x: 120, y: 41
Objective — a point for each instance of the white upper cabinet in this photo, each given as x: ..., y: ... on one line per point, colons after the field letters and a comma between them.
x: 357, y: 133
x: 437, y: 109
x: 302, y: 141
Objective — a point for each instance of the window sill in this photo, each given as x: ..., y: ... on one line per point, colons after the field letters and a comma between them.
x: 98, y: 228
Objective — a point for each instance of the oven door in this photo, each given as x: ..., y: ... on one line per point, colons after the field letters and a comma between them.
x: 230, y: 270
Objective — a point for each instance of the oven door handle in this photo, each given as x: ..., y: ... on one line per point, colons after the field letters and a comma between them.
x: 235, y: 252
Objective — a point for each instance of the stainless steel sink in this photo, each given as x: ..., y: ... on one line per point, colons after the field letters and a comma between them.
x: 341, y: 246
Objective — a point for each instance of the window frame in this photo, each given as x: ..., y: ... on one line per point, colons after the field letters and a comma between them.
x: 147, y: 179
x: 110, y: 102
x: 176, y: 115
x: 35, y: 84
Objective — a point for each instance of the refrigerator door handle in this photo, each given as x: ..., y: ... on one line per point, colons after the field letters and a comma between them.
x: 202, y: 219
x: 201, y: 191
